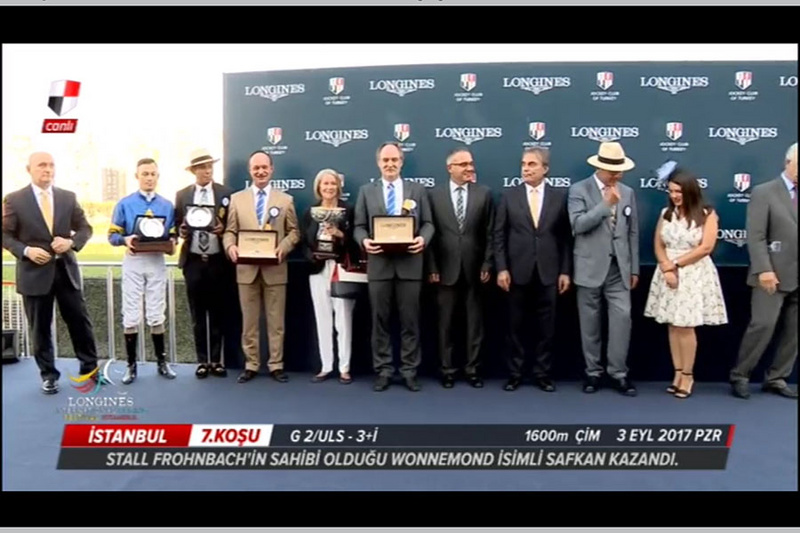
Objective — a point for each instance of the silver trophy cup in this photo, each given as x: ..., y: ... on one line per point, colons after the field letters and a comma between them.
x: 326, y: 217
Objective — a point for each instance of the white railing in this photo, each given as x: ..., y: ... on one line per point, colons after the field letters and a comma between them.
x: 17, y: 309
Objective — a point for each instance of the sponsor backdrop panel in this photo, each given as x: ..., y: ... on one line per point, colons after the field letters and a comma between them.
x: 729, y: 122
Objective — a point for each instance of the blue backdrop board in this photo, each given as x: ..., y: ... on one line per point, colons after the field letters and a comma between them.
x: 730, y: 123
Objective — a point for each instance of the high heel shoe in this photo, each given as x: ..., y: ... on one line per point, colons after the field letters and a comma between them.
x: 685, y: 393
x: 672, y: 389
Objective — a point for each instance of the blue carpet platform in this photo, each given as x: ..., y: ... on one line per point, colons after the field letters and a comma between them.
x: 763, y: 456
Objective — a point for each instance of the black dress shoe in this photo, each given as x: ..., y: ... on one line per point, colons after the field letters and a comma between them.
x: 512, y: 384
x: 246, y: 376
x: 592, y: 384
x: 319, y: 378
x: 448, y: 382
x: 546, y: 384
x: 279, y: 375
x: 475, y: 381
x: 411, y: 384
x: 780, y: 390
x: 49, y: 386
x: 381, y: 383
x: 740, y: 389
x: 625, y: 387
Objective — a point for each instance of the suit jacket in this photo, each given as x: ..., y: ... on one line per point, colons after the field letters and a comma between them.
x: 24, y: 225
x: 590, y: 218
x: 772, y: 219
x: 522, y: 248
x: 242, y: 216
x: 370, y: 203
x: 471, y: 248
x: 346, y: 247
x: 184, y: 197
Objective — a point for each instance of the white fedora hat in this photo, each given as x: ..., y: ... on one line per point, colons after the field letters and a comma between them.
x: 201, y: 156
x: 611, y: 156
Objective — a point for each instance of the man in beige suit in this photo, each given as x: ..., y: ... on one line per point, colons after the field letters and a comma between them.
x: 262, y: 207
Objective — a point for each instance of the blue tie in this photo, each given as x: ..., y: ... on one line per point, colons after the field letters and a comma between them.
x: 262, y: 196
x: 390, y: 200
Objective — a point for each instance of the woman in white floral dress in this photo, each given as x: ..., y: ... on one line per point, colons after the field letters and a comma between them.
x: 685, y: 291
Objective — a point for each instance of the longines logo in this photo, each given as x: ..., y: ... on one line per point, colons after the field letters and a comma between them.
x: 737, y: 237
x: 605, y: 133
x: 468, y: 82
x: 336, y: 138
x: 289, y: 184
x: 674, y: 132
x: 274, y: 92
x: 604, y: 81
x: 742, y: 135
x: 402, y: 87
x: 560, y: 182
x: 674, y: 84
x: 537, y: 85
x: 661, y: 185
x: 336, y: 87
x: 787, y: 81
x: 469, y: 135
x: 743, y: 80
x: 425, y: 181
x: 537, y: 132
x: 274, y: 138
x: 402, y: 132
x: 741, y: 182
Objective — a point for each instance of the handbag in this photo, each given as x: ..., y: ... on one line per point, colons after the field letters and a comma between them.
x: 347, y: 282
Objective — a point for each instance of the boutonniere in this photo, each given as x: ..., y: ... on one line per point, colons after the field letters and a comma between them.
x: 221, y: 212
x: 627, y: 211
x: 408, y: 206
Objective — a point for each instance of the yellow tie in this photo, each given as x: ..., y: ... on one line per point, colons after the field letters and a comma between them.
x: 47, y: 211
x: 535, y: 207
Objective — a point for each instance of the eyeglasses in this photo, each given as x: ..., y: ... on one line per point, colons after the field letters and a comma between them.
x: 465, y: 164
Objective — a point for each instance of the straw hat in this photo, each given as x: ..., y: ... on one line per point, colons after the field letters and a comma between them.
x: 611, y: 156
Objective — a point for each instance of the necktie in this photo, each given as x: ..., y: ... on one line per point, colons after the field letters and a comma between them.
x: 390, y: 200
x: 460, y: 207
x: 613, y: 212
x: 47, y: 210
x: 204, y: 196
x: 262, y: 198
x: 535, y: 207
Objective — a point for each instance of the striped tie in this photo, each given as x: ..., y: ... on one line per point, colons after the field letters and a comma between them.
x: 460, y: 208
x: 390, y: 200
x: 262, y: 196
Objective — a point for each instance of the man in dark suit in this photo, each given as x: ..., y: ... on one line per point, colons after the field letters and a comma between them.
x: 533, y: 252
x: 43, y: 227
x: 460, y: 259
x: 210, y: 281
x: 772, y: 243
x: 394, y: 276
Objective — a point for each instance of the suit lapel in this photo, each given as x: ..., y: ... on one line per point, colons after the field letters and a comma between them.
x: 522, y: 198
x: 446, y: 205
x: 378, y: 194
x: 785, y: 197
x: 34, y: 206
x: 250, y: 209
x: 546, y: 202
x: 472, y: 206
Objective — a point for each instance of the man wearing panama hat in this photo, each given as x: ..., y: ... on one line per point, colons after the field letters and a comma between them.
x: 209, y: 275
x: 604, y: 219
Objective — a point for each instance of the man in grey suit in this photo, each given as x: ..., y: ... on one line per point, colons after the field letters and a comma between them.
x: 394, y: 277
x: 772, y: 244
x: 459, y: 259
x: 604, y: 219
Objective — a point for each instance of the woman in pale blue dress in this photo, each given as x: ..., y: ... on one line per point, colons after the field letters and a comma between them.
x: 685, y: 291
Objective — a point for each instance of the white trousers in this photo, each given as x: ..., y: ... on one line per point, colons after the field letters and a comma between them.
x: 327, y: 310
x: 144, y: 275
